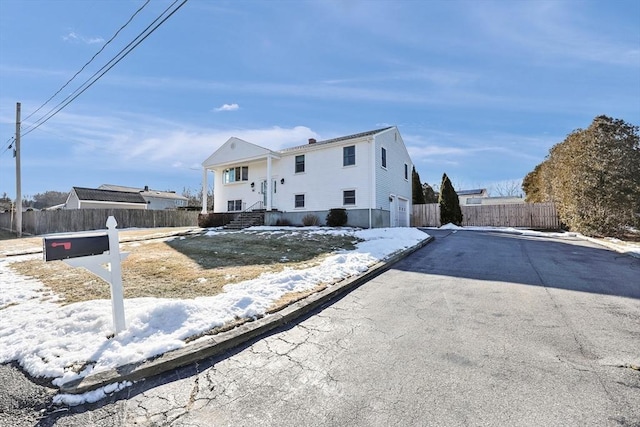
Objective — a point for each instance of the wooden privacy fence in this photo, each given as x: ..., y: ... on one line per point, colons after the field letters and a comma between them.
x: 525, y: 215
x: 46, y: 222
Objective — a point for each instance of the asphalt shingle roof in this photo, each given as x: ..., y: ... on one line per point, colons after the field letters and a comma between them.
x: 94, y: 194
x: 342, y: 138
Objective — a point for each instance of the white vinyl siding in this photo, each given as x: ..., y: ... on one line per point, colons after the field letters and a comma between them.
x: 391, y: 181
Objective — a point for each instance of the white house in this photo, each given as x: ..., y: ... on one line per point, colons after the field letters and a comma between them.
x: 156, y: 200
x: 472, y: 197
x: 368, y: 174
x: 91, y: 198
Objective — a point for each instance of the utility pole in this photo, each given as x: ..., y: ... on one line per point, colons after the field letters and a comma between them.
x: 18, y: 183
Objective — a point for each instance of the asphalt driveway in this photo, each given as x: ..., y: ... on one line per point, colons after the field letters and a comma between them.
x: 475, y: 329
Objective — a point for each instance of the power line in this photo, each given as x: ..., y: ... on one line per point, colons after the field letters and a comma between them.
x: 115, y: 60
x: 89, y: 62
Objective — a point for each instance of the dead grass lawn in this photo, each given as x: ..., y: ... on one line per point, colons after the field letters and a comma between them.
x: 191, y: 266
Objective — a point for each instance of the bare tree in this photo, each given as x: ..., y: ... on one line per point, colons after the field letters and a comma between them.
x: 509, y: 188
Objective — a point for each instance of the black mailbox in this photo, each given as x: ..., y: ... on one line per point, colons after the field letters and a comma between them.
x: 56, y: 248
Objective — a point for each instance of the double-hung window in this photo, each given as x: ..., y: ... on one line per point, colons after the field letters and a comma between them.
x: 349, y: 197
x: 300, y: 163
x: 299, y: 201
x: 349, y: 155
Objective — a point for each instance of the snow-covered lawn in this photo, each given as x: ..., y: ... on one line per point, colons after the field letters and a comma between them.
x: 68, y: 342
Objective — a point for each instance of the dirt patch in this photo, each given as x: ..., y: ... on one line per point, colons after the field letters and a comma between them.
x: 193, y: 265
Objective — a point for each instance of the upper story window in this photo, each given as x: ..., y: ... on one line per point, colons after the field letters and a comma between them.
x: 240, y: 173
x: 384, y: 157
x: 349, y: 155
x: 406, y: 171
x: 349, y: 197
x: 300, y: 163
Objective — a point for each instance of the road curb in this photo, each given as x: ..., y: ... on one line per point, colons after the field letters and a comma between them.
x: 217, y: 344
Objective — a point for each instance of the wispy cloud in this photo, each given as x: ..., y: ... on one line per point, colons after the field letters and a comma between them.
x: 155, y: 143
x: 79, y: 38
x: 555, y: 30
x: 228, y: 107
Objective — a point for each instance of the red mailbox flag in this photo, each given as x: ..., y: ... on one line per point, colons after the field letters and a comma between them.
x: 56, y: 248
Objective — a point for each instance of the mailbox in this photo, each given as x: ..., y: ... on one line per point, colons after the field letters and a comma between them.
x: 58, y: 248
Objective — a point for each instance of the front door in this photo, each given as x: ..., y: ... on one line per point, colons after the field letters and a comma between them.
x: 263, y: 190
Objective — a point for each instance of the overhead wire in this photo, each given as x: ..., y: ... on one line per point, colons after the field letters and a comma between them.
x: 108, y: 66
x: 90, y: 60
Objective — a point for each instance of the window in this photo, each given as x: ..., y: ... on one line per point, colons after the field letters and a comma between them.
x: 349, y: 155
x: 234, y: 205
x: 406, y: 171
x: 384, y: 157
x: 241, y: 173
x: 300, y: 163
x: 299, y: 203
x: 349, y: 197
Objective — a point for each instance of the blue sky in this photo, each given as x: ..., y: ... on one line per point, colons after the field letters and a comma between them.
x: 479, y: 89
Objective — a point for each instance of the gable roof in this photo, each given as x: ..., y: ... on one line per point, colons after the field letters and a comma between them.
x: 144, y: 191
x: 97, y: 195
x: 229, y: 152
x: 339, y: 139
x: 236, y: 150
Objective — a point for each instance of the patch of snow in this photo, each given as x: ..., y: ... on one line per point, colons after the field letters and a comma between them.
x: 450, y: 226
x: 49, y: 340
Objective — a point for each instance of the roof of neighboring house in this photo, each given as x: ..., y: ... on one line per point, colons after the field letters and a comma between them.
x: 144, y: 191
x: 471, y: 192
x: 342, y: 138
x: 99, y: 195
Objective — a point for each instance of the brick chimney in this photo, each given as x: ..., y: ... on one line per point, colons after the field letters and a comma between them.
x: 312, y: 140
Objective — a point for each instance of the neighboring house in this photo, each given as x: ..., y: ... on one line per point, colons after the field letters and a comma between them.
x: 472, y: 197
x: 156, y: 200
x: 91, y: 198
x: 501, y: 200
x: 368, y: 174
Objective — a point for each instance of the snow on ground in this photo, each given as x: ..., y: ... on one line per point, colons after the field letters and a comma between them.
x: 69, y: 342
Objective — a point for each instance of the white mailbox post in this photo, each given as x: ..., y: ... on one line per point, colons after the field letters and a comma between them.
x: 93, y: 252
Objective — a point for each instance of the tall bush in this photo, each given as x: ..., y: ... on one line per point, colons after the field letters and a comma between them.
x: 450, y: 211
x: 593, y: 176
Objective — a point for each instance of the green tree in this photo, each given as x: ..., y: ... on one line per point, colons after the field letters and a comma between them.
x: 593, y: 177
x: 48, y: 199
x: 450, y: 211
x: 416, y: 188
x: 429, y: 193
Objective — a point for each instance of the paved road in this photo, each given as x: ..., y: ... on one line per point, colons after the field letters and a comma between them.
x: 475, y: 329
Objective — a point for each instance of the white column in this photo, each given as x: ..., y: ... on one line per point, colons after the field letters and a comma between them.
x: 204, y: 190
x: 269, y: 183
